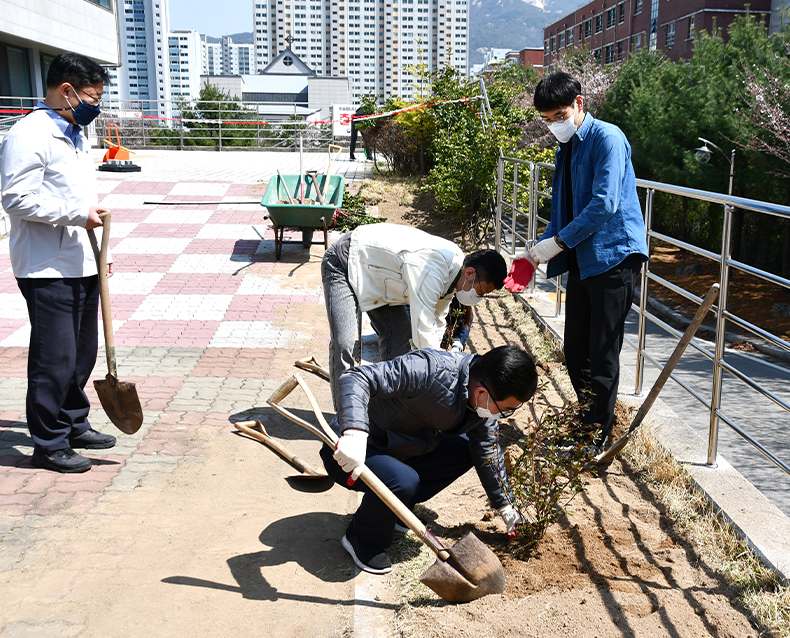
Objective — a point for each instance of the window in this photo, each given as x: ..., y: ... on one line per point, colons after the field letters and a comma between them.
x: 588, y: 28
x: 670, y: 34
x: 553, y: 44
x: 546, y: 48
x: 610, y: 54
x: 611, y: 16
x: 638, y: 6
x: 599, y: 23
x: 691, y: 27
x: 569, y: 37
x: 637, y: 43
x: 621, y: 17
x: 620, y: 51
x: 562, y: 40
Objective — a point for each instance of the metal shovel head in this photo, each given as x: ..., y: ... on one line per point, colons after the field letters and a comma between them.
x: 121, y: 403
x: 473, y: 571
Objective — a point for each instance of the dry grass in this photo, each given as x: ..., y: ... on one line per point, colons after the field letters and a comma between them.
x: 374, y: 191
x: 760, y: 588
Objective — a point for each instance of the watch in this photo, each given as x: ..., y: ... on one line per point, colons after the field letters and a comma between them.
x: 560, y: 243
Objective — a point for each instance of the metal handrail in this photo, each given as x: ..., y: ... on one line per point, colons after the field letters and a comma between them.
x: 530, y: 220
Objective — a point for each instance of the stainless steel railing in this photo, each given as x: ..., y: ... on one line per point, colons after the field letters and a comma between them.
x: 518, y: 222
x: 203, y: 124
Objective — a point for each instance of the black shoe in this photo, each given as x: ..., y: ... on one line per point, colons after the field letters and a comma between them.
x: 370, y: 560
x: 66, y: 461
x: 351, y: 158
x: 90, y: 439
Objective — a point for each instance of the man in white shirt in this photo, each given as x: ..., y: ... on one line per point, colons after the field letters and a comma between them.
x: 404, y: 279
x: 47, y: 182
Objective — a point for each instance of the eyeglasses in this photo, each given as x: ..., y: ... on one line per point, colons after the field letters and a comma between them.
x: 503, y: 414
x: 96, y: 98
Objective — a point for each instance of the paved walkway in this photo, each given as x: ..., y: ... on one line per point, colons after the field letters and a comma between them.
x: 183, y: 528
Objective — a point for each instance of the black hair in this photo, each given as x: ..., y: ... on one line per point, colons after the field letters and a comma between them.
x: 506, y: 371
x: 77, y: 70
x: 489, y: 266
x: 556, y: 91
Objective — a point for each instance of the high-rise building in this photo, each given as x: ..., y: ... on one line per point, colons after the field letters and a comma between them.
x: 237, y: 58
x: 373, y: 42
x: 185, y: 59
x: 212, y: 56
x: 144, y: 74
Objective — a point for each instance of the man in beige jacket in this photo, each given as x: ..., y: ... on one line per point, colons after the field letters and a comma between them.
x: 404, y: 279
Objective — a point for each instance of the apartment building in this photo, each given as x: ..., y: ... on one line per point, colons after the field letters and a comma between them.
x: 614, y: 29
x: 211, y: 55
x: 33, y: 33
x: 143, y: 78
x: 237, y: 58
x: 373, y: 42
x: 185, y: 60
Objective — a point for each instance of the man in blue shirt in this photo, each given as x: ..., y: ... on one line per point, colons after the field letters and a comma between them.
x: 47, y: 184
x: 597, y: 236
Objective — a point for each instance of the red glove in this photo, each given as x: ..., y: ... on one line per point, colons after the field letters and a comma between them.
x: 520, y: 274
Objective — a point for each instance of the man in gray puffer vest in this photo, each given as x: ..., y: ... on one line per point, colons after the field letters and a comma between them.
x: 419, y: 422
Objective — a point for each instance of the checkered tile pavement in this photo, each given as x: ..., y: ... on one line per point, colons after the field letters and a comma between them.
x: 207, y: 323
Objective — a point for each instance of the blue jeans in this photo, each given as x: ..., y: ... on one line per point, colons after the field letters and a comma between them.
x: 413, y: 481
x: 391, y: 323
x: 64, y: 339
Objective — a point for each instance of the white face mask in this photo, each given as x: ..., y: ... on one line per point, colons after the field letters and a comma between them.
x: 468, y: 297
x: 564, y: 130
x: 484, y: 412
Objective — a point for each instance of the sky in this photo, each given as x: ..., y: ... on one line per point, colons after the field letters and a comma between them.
x: 212, y: 17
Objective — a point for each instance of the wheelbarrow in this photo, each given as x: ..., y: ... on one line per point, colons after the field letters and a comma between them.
x: 310, y: 214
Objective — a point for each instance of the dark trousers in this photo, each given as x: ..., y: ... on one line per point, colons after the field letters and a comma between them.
x: 413, y: 481
x: 353, y: 145
x: 595, y: 313
x: 64, y: 339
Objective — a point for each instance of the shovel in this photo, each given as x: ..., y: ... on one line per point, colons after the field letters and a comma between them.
x: 118, y: 398
x: 256, y: 430
x: 466, y: 571
x: 314, y: 176
x: 707, y: 304
x: 337, y: 149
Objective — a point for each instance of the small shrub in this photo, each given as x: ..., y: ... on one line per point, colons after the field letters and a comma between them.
x: 546, y: 472
x: 353, y: 214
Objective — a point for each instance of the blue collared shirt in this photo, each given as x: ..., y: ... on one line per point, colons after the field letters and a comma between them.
x: 72, y: 131
x: 607, y: 223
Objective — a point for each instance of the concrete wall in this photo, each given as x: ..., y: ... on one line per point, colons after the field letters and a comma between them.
x: 324, y: 91
x: 55, y: 26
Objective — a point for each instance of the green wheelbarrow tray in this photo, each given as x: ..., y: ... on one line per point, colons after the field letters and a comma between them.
x: 301, y: 215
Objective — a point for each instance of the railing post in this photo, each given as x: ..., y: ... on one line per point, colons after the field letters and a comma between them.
x: 181, y: 127
x: 219, y: 119
x: 721, y: 327
x: 534, y: 183
x: 641, y: 338
x: 513, y: 209
x: 500, y: 172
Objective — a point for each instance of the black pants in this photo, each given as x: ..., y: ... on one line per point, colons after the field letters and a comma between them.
x: 595, y: 313
x: 353, y: 145
x: 413, y: 481
x: 64, y: 339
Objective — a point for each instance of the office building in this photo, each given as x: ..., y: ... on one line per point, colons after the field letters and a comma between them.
x: 613, y: 30
x: 185, y: 59
x: 143, y: 80
x: 373, y: 42
x: 33, y: 33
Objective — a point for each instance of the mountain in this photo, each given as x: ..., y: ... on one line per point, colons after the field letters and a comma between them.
x: 245, y: 37
x: 512, y: 24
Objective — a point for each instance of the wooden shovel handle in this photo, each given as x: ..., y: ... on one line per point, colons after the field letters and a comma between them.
x: 104, y: 290
x: 249, y: 428
x: 328, y: 436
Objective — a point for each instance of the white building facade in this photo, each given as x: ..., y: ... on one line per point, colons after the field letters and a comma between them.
x: 237, y: 58
x: 185, y: 60
x: 212, y: 57
x: 373, y: 42
x: 144, y: 75
x: 33, y: 33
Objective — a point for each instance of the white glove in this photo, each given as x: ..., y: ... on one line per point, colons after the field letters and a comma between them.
x: 457, y: 346
x: 350, y: 452
x: 545, y: 250
x: 522, y: 255
x: 511, y: 518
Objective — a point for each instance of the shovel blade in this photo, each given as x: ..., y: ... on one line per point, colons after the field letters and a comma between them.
x: 121, y: 403
x: 472, y: 572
